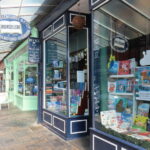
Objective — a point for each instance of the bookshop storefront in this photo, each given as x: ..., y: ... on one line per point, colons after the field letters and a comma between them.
x: 65, y: 83
x: 120, y: 74
x: 22, y: 77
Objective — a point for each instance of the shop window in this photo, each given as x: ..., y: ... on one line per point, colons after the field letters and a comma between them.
x: 55, y: 73
x: 78, y: 71
x: 31, y: 87
x: 121, y: 73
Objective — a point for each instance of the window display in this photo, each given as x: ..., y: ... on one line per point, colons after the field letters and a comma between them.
x: 78, y: 72
x: 27, y: 79
x: 55, y: 73
x: 56, y: 77
x: 31, y: 87
x: 20, y: 82
x: 121, y: 90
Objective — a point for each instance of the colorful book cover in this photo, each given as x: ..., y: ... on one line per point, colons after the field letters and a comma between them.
x: 130, y: 86
x: 121, y: 86
x: 109, y: 118
x: 143, y: 109
x: 113, y: 69
x: 74, y: 108
x: 112, y: 87
x: 124, y: 67
x: 112, y: 102
x: 141, y: 121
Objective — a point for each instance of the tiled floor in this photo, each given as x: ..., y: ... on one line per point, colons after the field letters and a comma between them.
x: 19, y: 131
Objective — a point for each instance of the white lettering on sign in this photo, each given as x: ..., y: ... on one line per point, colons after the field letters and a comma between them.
x: 120, y: 43
x: 10, y: 27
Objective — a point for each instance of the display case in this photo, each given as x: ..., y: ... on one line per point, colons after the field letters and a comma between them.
x: 120, y: 75
x: 65, y: 106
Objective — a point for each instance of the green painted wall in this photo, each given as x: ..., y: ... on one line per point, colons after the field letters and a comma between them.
x: 12, y: 63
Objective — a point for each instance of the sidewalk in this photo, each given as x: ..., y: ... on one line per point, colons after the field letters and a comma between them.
x: 19, y: 131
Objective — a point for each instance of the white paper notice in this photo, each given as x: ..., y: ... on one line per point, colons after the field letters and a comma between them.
x: 80, y: 76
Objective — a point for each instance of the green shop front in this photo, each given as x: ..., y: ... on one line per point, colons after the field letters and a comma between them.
x: 22, y: 77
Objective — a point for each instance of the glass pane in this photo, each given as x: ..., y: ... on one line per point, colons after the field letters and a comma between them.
x: 127, y: 15
x: 29, y: 10
x: 9, y: 3
x: 55, y: 73
x: 28, y: 18
x: 78, y: 72
x: 121, y: 88
x: 142, y: 6
x: 21, y: 78
x: 12, y: 11
x: 32, y: 2
x: 31, y: 87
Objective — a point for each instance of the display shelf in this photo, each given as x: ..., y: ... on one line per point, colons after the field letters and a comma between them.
x: 58, y: 79
x: 124, y: 94
x: 122, y: 76
x: 141, y: 99
x: 57, y: 68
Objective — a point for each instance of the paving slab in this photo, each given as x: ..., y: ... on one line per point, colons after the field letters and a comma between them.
x: 19, y: 131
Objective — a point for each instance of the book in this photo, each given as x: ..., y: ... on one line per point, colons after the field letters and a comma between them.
x: 124, y: 67
x: 109, y: 118
x: 121, y: 86
x: 113, y: 67
x: 55, y: 63
x: 57, y: 74
x: 120, y: 104
x: 130, y: 86
x: 143, y: 109
x: 111, y: 87
x: 132, y: 65
x: 140, y: 121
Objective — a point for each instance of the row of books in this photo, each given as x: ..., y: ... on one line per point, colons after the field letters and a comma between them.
x: 122, y: 67
x: 121, y: 86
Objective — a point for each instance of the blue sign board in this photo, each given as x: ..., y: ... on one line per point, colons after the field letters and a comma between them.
x: 13, y: 28
x: 34, y: 50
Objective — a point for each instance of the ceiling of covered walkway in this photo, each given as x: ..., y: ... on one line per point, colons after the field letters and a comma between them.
x: 30, y: 10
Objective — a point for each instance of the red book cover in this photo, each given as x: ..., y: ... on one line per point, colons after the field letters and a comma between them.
x: 124, y: 67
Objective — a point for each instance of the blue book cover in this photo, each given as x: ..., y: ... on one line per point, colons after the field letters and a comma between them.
x: 121, y: 86
x: 113, y: 69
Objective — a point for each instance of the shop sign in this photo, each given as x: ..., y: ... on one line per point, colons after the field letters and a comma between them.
x: 119, y: 44
x: 34, y: 50
x: 13, y: 28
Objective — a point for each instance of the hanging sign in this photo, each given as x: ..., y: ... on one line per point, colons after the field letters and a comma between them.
x: 13, y: 28
x: 119, y: 44
x: 34, y: 50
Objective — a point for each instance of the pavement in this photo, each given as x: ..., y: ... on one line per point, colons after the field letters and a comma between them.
x: 19, y: 131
